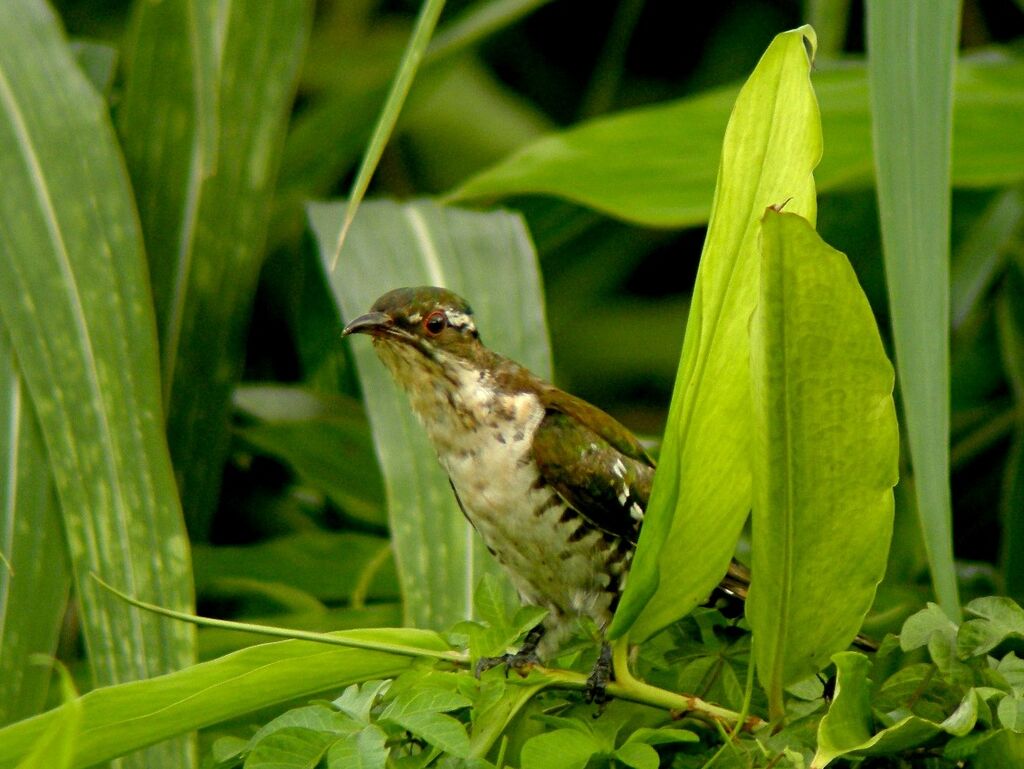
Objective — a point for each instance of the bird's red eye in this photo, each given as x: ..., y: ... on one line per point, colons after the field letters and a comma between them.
x: 435, y: 323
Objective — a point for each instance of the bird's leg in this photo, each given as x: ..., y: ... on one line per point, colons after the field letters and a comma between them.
x: 521, y: 661
x: 599, y: 677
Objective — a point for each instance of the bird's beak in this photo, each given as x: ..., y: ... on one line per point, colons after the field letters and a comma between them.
x: 373, y: 323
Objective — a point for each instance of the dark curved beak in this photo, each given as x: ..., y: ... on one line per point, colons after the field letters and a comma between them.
x: 374, y: 323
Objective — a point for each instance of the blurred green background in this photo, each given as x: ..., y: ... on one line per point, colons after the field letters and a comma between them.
x: 295, y: 538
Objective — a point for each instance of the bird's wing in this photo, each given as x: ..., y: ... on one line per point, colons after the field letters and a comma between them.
x: 606, y: 486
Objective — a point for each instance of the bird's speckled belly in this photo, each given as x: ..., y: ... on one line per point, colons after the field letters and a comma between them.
x: 553, y: 556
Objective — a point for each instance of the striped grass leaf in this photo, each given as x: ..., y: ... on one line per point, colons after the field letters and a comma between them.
x: 34, y: 576
x: 76, y: 302
x: 202, y: 137
x: 487, y: 258
x: 911, y: 61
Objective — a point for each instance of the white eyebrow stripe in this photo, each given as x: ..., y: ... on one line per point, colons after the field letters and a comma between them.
x: 460, y: 319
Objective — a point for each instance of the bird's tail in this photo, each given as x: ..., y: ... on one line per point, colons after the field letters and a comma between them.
x: 735, y: 585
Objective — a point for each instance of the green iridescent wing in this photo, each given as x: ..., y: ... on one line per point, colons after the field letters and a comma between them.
x: 594, y: 463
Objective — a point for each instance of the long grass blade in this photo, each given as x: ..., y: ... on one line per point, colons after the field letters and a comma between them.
x: 34, y: 575
x: 203, y: 138
x: 430, y: 12
x: 75, y: 299
x: 911, y: 62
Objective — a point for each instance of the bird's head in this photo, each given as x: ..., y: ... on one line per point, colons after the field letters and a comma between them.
x: 423, y: 329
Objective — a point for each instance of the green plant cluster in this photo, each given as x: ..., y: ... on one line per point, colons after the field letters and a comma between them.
x: 934, y: 695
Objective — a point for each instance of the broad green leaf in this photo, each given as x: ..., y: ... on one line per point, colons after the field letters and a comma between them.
x: 912, y: 53
x: 847, y: 727
x: 656, y: 165
x: 998, y: 619
x: 559, y: 749
x: 487, y: 258
x: 75, y: 299
x: 202, y: 137
x: 825, y: 455
x: 34, y: 577
x: 119, y: 719
x: 702, y: 492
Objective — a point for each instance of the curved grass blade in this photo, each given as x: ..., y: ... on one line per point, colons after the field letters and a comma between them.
x: 702, y: 490
x: 34, y: 575
x: 119, y: 719
x: 430, y: 11
x: 488, y: 258
x: 75, y: 299
x: 912, y: 53
x: 202, y: 137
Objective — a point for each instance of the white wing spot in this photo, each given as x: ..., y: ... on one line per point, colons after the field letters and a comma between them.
x: 636, y: 512
x: 618, y: 468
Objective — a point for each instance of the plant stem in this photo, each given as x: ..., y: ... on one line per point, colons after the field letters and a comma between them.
x: 625, y: 687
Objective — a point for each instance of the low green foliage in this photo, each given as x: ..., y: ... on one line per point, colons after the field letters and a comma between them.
x: 281, y: 478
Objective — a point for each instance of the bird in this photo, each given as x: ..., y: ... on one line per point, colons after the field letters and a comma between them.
x: 556, y: 487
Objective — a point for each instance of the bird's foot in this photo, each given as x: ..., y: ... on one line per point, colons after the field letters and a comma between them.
x: 595, y: 690
x: 521, y: 662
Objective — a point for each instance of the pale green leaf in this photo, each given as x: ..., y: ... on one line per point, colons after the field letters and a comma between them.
x: 202, y: 138
x: 912, y: 53
x: 559, y: 749
x: 997, y: 619
x: 421, y: 711
x: 825, y: 455
x: 119, y: 719
x: 358, y: 701
x: 291, y: 747
x: 365, y: 750
x: 488, y: 259
x: 919, y: 627
x: 34, y: 577
x: 702, y: 491
x: 656, y: 165
x: 638, y: 755
x: 847, y: 727
x: 75, y: 299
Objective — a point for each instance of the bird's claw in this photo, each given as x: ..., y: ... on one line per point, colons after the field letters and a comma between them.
x: 521, y: 662
x: 596, y: 689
